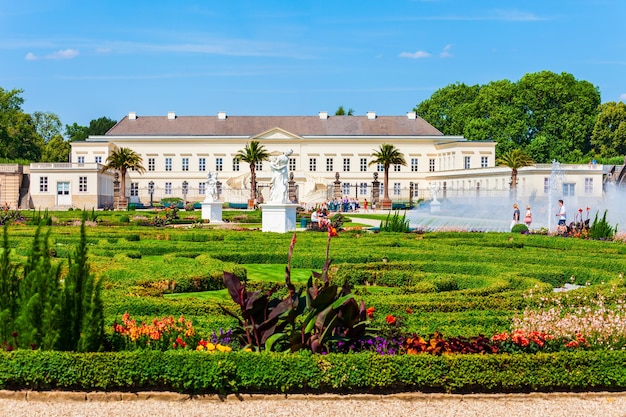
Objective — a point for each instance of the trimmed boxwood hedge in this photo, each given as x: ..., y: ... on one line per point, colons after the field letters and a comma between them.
x: 200, y: 372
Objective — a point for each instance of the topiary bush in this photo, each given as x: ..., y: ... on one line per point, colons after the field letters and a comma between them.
x: 519, y: 228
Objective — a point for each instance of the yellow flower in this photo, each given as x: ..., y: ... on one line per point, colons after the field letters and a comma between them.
x: 223, y: 348
x: 210, y: 347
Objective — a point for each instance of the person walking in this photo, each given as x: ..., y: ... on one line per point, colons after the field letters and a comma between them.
x: 528, y: 217
x: 562, y: 214
x: 516, y: 215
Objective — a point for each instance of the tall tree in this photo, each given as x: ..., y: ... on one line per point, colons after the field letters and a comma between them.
x: 515, y: 159
x: 18, y: 135
x: 123, y: 159
x: 387, y: 155
x: 47, y: 125
x: 75, y: 132
x: 555, y: 109
x: 252, y: 153
x: 609, y: 133
x: 100, y: 126
x: 450, y: 108
x: 56, y: 150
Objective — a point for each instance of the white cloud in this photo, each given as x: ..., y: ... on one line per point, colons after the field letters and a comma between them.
x: 446, y: 51
x: 61, y: 54
x: 622, y: 97
x: 415, y: 55
x: 104, y: 50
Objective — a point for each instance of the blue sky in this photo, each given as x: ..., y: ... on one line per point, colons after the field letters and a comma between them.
x: 86, y: 59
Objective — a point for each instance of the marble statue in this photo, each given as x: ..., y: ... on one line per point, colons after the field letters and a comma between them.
x: 434, y: 189
x: 280, y: 178
x: 211, y: 191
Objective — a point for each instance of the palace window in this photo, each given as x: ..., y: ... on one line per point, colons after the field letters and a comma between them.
x: 168, y: 188
x: 414, y: 165
x: 466, y: 163
x: 345, y: 188
x: 363, y: 164
x: 588, y: 185
x: 431, y: 165
x: 185, y: 164
x: 380, y: 167
x: 346, y: 164
x: 258, y: 166
x: 43, y: 184
x: 568, y: 189
x: 235, y: 164
x: 219, y: 164
x: 201, y: 164
x: 151, y: 164
x: 81, y: 159
x: 363, y: 188
x: 312, y: 164
x: 484, y: 161
x: 168, y: 164
x: 292, y: 164
x: 202, y: 188
x: 82, y: 184
x: 134, y: 189
x: 329, y: 164
x: 98, y: 160
x: 396, y: 188
x: 397, y: 167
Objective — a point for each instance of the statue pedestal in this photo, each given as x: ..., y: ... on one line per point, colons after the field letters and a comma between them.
x: 435, y: 206
x: 277, y: 217
x: 212, y: 211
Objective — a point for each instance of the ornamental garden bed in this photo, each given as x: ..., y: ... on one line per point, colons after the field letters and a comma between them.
x: 451, y: 312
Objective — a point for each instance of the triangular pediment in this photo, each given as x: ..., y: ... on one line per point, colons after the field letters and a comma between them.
x: 276, y: 134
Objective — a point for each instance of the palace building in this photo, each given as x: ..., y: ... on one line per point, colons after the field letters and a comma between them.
x: 330, y: 153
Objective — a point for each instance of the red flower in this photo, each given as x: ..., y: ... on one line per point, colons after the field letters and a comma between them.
x: 370, y: 312
x: 390, y: 319
x: 580, y: 210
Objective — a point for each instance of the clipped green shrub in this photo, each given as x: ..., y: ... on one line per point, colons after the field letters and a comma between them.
x: 519, y: 228
x: 124, y: 218
x: 192, y: 372
x: 446, y: 284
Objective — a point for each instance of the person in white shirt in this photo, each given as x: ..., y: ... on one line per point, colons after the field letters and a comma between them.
x: 562, y: 214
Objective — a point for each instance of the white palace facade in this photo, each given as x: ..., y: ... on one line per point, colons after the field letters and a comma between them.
x: 179, y: 151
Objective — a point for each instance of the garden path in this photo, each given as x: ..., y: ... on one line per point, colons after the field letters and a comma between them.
x: 55, y: 404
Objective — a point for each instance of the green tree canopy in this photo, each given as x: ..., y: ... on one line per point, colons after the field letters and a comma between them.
x: 97, y: 127
x: 252, y: 153
x: 387, y: 155
x: 342, y: 112
x: 18, y: 134
x: 556, y: 110
x: 608, y: 138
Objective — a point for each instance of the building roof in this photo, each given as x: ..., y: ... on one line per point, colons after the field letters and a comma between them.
x: 253, y: 125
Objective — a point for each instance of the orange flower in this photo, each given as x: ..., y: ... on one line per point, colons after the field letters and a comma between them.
x: 370, y: 312
x: 408, y: 310
x: 390, y: 319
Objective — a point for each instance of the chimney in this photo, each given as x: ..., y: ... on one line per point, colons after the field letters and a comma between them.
x: 411, y: 115
x: 371, y: 115
x: 323, y: 115
x: 221, y: 115
x: 171, y: 115
x: 132, y: 115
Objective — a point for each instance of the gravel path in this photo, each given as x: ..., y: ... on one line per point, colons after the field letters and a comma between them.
x: 53, y: 404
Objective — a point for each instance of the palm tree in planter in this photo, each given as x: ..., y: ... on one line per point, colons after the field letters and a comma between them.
x: 515, y: 159
x: 387, y: 155
x: 252, y: 153
x: 123, y: 159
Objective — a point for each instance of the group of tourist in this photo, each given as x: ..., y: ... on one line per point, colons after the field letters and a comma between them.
x: 347, y: 205
x: 528, y: 216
